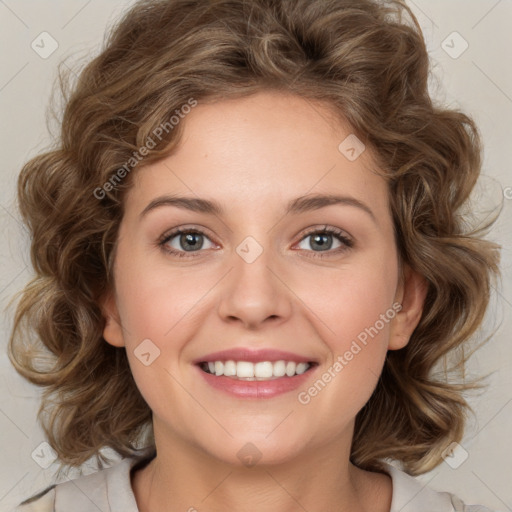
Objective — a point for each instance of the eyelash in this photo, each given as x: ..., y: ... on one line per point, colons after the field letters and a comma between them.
x: 337, y: 233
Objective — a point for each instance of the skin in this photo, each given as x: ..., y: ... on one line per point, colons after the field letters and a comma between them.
x: 254, y: 155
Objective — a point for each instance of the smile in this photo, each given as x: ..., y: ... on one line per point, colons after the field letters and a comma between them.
x: 262, y: 379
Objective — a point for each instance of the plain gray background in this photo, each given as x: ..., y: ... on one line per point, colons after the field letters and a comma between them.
x: 477, y: 79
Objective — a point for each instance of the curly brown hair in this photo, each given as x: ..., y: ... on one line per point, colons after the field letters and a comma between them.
x: 368, y: 61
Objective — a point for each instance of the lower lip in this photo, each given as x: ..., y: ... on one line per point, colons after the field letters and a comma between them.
x: 256, y: 388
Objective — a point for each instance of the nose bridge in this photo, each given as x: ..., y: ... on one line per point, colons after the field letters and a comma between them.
x: 254, y: 292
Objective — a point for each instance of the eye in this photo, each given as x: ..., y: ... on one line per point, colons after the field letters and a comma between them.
x: 181, y: 241
x: 323, y: 240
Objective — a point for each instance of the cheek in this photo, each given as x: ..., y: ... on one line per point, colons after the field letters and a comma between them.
x: 156, y: 308
x: 352, y: 298
x: 352, y: 311
x: 153, y: 301
x: 165, y: 307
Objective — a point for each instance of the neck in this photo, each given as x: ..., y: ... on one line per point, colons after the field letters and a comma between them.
x: 185, y: 478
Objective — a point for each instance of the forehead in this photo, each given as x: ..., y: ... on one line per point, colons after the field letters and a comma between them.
x: 263, y: 148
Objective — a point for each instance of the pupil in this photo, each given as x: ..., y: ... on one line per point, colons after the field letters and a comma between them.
x: 321, y: 242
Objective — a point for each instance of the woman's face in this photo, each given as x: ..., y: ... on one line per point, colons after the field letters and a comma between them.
x: 276, y: 266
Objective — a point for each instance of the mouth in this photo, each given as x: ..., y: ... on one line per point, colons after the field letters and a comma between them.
x: 258, y: 371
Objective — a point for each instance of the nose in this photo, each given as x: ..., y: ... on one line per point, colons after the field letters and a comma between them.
x: 255, y: 293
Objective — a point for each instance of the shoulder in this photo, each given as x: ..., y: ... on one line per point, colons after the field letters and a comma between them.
x: 410, y: 495
x: 104, y: 490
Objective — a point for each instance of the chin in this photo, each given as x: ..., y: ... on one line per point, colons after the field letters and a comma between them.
x: 251, y: 450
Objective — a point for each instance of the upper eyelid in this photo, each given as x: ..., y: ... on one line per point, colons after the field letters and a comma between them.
x: 179, y: 229
x: 327, y: 228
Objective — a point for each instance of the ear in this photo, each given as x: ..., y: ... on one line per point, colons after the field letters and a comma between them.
x: 411, y: 293
x: 112, y: 332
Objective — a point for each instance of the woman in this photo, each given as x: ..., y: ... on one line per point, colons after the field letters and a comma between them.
x: 250, y: 257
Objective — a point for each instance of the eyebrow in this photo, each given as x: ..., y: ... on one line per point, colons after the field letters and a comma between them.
x: 295, y: 206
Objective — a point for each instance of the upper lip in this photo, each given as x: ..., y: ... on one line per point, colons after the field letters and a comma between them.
x: 253, y: 356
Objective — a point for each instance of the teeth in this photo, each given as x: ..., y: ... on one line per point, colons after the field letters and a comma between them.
x: 279, y: 369
x: 229, y: 368
x: 264, y: 370
x: 301, y: 368
x: 244, y: 369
